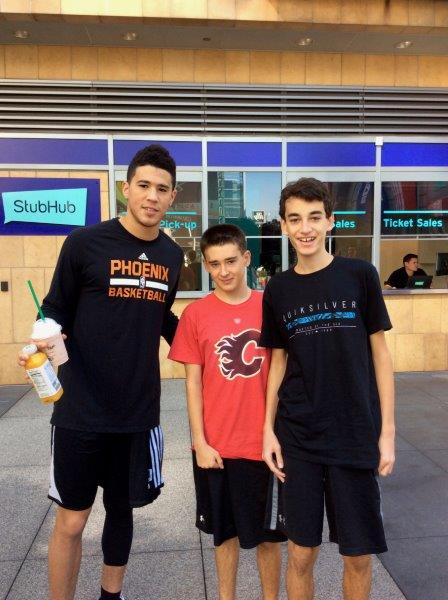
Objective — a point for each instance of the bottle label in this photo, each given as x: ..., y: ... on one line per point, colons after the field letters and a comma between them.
x: 45, y: 380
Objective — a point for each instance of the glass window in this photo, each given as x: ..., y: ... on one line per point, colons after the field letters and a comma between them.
x: 414, y: 208
x: 249, y: 199
x: 353, y: 207
x: 432, y: 258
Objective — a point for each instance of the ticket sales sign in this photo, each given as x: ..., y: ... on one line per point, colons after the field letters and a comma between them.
x: 405, y: 222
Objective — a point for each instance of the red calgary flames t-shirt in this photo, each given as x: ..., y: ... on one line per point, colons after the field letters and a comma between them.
x: 223, y: 339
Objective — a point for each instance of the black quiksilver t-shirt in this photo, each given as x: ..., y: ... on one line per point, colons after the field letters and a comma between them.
x: 328, y: 408
x: 112, y: 292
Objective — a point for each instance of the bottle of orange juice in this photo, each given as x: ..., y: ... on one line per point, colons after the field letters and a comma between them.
x: 42, y: 375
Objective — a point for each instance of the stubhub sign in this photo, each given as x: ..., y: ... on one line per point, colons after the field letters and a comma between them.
x: 48, y: 206
x: 60, y: 207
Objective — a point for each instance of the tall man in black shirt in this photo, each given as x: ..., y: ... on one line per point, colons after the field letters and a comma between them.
x: 399, y: 278
x: 112, y: 291
x: 329, y: 425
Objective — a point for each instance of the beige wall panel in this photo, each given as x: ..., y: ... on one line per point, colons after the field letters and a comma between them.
x: 23, y: 173
x: 217, y: 9
x: 441, y: 13
x: 6, y: 309
x: 323, y: 69
x: 46, y: 7
x: 376, y: 12
x: 11, y: 251
x: 409, y: 352
x: 327, y: 11
x: 120, y: 8
x: 177, y: 370
x: 48, y: 276
x: 54, y: 62
x: 149, y: 64
x: 257, y: 10
x: 2, y: 62
x: 433, y: 71
x: 292, y: 10
x: 156, y: 8
x: 103, y: 177
x: 354, y: 11
x: 426, y: 314
x: 237, y: 66
x: 435, y: 351
x: 166, y: 366
x: 24, y: 310
x: 406, y: 71
x: 11, y: 373
x: 265, y: 67
x: 117, y: 64
x: 60, y: 239
x: 178, y: 65
x: 292, y: 67
x: 400, y: 312
x: 21, y: 62
x: 189, y: 9
x: 84, y: 63
x: 105, y: 208
x: 39, y: 250
x: 209, y: 66
x: 397, y: 13
x: 380, y: 69
x: 81, y: 7
x: 421, y: 13
x: 53, y: 174
x: 444, y: 315
x: 353, y: 69
x: 15, y: 6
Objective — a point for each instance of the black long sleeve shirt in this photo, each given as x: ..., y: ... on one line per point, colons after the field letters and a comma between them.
x: 112, y: 294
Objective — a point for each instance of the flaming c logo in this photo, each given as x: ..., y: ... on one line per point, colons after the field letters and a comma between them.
x: 232, y: 349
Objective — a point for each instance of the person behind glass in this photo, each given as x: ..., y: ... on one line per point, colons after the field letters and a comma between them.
x: 329, y: 425
x: 112, y: 291
x: 217, y: 340
x: 399, y: 278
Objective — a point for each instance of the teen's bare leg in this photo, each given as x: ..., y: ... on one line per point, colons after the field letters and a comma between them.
x: 357, y: 577
x: 64, y: 552
x: 299, y: 576
x: 112, y: 578
x: 226, y: 557
x: 269, y: 560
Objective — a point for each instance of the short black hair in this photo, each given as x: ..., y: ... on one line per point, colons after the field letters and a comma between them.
x: 308, y: 189
x: 408, y: 257
x: 221, y: 234
x: 155, y: 155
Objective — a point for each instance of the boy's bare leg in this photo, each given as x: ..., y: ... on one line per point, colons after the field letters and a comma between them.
x: 299, y: 576
x: 64, y: 552
x: 226, y: 557
x: 357, y: 577
x: 112, y: 578
x: 269, y: 560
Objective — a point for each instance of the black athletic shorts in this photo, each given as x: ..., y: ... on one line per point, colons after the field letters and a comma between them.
x: 231, y: 502
x: 81, y: 461
x: 352, y: 500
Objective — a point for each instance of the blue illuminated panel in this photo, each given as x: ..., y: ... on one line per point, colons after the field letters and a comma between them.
x: 244, y: 154
x: 331, y: 154
x: 414, y: 155
x: 48, y: 151
x: 186, y: 154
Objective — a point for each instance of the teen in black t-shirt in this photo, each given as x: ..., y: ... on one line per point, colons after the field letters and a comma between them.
x: 329, y: 425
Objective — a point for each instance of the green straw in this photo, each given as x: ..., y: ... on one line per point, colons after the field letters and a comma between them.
x: 36, y: 301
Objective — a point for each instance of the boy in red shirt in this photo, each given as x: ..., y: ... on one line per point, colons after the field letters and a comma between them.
x: 217, y: 340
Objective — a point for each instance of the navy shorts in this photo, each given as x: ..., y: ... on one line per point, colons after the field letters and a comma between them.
x: 231, y: 502
x: 82, y: 460
x: 352, y: 500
